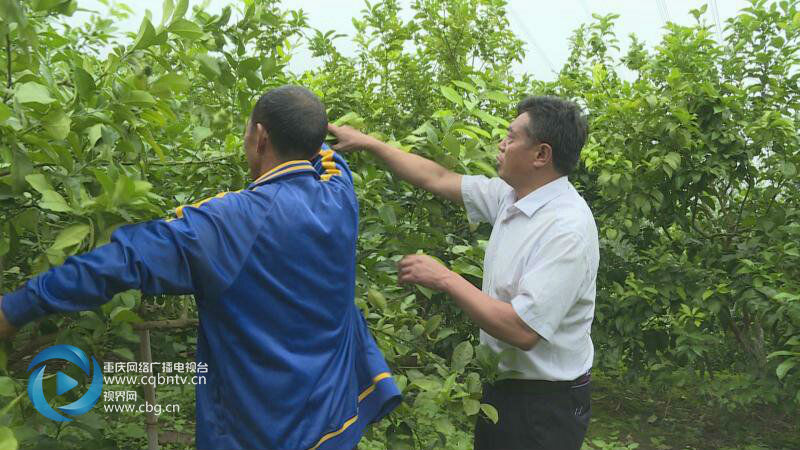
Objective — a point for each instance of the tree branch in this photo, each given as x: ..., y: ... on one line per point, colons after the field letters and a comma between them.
x: 166, y: 324
x: 741, y: 208
x: 8, y: 56
x: 154, y: 163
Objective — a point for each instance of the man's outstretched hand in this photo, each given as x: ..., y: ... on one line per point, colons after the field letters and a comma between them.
x: 6, y: 329
x: 425, y: 271
x: 349, y: 138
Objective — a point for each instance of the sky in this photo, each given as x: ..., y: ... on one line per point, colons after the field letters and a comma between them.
x: 544, y: 26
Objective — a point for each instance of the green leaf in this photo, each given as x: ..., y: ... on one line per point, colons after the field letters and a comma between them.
x: 138, y: 98
x: 463, y: 268
x: 148, y: 137
x: 376, y: 299
x: 599, y: 73
x: 673, y: 159
x: 460, y: 249
x: 387, y: 215
x: 121, y: 314
x: 490, y: 119
x: 782, y: 353
x: 180, y: 10
x: 209, y: 67
x: 480, y: 131
x: 428, y: 293
x: 471, y: 406
x: 53, y: 201
x: 84, y: 83
x: 352, y: 119
x: 5, y: 112
x: 124, y: 353
x: 789, y: 169
x: 443, y: 425
x: 33, y: 92
x: 497, y: 96
x: 146, y: 36
x: 45, y: 5
x: 7, y: 439
x: 487, y: 169
x: 784, y: 367
x: 451, y: 145
x: 57, y: 124
x: 199, y: 134
x: 23, y: 167
x: 451, y: 94
x: 473, y: 383
x: 70, y: 236
x: 465, y: 85
x: 7, y: 387
x: 443, y: 333
x: 170, y: 82
x: 427, y: 384
x: 39, y: 182
x: 94, y: 133
x: 168, y: 9
x: 186, y: 29
x: 462, y: 355
x: 124, y: 190
x: 433, y: 323
x: 490, y: 412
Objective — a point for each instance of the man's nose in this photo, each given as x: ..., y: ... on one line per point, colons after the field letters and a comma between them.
x: 502, y: 146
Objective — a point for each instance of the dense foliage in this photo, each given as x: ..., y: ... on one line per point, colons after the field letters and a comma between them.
x: 690, y: 169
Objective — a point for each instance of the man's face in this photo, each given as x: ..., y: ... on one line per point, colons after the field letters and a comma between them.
x: 516, y: 159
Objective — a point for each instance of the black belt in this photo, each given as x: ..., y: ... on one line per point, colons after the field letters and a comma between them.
x: 542, y: 386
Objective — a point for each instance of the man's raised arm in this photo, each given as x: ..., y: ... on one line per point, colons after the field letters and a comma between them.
x: 199, y: 253
x: 419, y: 171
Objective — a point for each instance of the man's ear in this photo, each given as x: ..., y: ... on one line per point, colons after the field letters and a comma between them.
x: 542, y: 155
x: 262, y: 136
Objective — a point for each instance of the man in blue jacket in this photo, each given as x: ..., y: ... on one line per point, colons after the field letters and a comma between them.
x: 291, y: 363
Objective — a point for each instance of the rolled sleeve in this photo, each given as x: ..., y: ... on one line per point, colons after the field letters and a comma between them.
x: 483, y: 197
x: 21, y: 307
x: 551, y: 283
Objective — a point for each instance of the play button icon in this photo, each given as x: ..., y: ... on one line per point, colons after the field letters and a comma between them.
x: 64, y: 383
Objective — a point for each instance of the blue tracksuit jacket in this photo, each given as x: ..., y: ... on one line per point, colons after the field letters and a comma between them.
x: 291, y: 364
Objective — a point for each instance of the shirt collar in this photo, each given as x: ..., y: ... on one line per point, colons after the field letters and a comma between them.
x: 541, y: 196
x: 283, y: 170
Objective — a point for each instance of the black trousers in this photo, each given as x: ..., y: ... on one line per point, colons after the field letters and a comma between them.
x: 534, y: 417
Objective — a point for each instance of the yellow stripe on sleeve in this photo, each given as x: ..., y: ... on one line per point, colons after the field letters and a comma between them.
x: 375, y: 381
x: 352, y: 420
x: 179, y: 210
x: 329, y: 165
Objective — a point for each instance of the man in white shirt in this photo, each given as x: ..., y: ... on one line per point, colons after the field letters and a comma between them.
x: 540, y: 270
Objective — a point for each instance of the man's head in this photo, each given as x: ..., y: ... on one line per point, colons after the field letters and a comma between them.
x: 544, y: 141
x: 287, y: 123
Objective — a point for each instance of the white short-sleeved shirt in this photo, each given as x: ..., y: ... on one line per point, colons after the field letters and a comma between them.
x: 542, y: 258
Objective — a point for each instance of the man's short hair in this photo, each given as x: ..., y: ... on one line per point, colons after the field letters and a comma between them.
x: 294, y: 118
x: 557, y: 122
